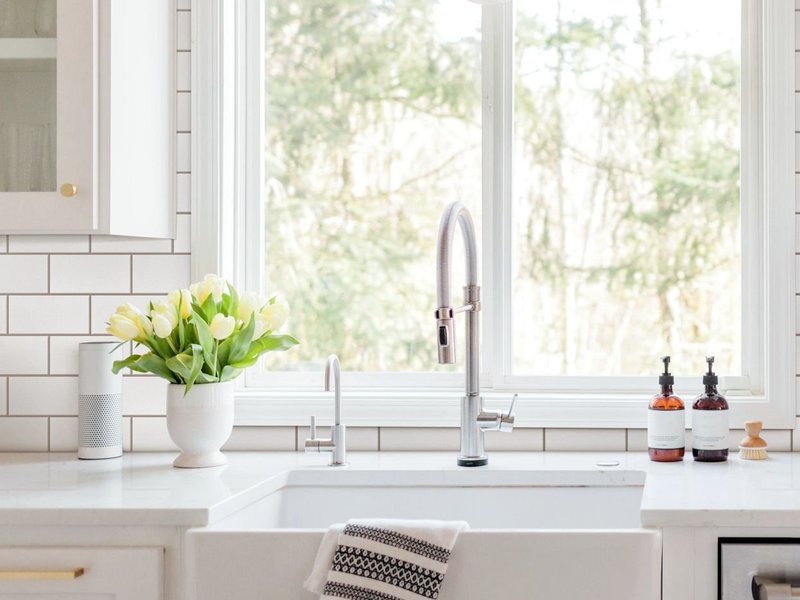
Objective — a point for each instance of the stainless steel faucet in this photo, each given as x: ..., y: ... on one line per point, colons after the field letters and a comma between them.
x: 335, y: 445
x: 474, y: 419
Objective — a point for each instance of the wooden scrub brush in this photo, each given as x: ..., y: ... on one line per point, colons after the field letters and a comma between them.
x: 753, y: 447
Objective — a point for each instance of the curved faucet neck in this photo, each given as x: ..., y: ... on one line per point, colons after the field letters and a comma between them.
x: 455, y: 212
x: 332, y: 366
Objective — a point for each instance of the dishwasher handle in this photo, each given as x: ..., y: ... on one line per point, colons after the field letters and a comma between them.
x: 766, y: 589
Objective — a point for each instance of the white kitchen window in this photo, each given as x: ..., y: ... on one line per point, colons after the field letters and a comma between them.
x: 629, y: 166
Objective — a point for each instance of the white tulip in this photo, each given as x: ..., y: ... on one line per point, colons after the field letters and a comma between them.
x: 275, y: 314
x: 221, y: 326
x: 166, y: 310
x: 162, y: 326
x: 122, y: 327
x: 182, y: 300
x: 261, y: 326
x: 143, y: 324
x: 249, y: 303
x: 212, y: 285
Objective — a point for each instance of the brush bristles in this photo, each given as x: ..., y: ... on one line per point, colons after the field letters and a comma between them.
x: 752, y: 453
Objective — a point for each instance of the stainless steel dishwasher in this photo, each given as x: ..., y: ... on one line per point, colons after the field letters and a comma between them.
x: 759, y: 569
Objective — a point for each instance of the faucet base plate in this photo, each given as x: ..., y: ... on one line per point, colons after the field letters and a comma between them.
x: 481, y: 461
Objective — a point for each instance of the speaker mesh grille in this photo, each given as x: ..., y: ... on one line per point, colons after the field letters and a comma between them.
x: 100, y: 423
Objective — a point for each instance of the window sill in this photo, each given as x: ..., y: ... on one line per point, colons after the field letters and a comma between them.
x: 440, y: 408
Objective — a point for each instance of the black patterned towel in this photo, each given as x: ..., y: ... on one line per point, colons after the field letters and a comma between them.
x: 383, y: 559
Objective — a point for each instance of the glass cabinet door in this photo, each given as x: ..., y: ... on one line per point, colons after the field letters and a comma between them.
x: 28, y: 95
x: 48, y: 114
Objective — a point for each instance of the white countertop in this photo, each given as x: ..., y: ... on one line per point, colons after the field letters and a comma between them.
x: 144, y: 488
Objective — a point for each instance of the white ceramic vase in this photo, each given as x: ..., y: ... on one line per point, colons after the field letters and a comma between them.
x: 200, y: 422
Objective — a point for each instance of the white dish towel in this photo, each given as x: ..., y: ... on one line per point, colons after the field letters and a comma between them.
x: 383, y: 559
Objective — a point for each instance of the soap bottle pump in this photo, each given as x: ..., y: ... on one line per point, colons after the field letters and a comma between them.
x: 710, y: 421
x: 666, y: 421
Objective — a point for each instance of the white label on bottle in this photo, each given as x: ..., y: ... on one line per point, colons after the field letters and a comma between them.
x: 710, y: 429
x: 666, y: 429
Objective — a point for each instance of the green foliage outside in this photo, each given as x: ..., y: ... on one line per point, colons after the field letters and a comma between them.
x: 626, y: 183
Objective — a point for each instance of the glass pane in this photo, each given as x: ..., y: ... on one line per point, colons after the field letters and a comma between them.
x: 626, y: 186
x: 372, y: 126
x: 27, y: 95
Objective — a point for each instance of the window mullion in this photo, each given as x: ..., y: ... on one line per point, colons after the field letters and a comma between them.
x: 497, y: 135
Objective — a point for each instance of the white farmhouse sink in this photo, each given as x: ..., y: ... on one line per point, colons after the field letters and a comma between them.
x: 535, y: 534
x: 315, y: 499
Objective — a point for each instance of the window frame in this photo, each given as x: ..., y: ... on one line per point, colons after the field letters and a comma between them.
x: 227, y: 219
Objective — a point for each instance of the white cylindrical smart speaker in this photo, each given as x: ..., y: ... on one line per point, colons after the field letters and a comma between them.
x: 100, y: 401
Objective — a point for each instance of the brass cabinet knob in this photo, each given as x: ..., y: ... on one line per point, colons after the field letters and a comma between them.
x: 68, y: 190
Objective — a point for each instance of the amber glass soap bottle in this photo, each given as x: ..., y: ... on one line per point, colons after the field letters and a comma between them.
x: 710, y: 421
x: 666, y: 421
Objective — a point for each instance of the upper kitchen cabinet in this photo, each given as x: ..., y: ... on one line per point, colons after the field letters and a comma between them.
x: 87, y: 133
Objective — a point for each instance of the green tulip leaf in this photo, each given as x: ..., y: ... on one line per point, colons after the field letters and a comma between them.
x: 204, y: 377
x: 210, y: 308
x: 234, y: 305
x: 271, y: 343
x: 187, y: 365
x: 229, y: 372
x: 127, y: 363
x: 156, y: 365
x: 241, y: 342
x: 204, y: 337
x: 223, y: 352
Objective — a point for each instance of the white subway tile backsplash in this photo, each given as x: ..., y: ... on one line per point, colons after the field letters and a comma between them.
x: 64, y: 351
x: 637, y: 440
x: 129, y: 245
x: 797, y: 193
x: 48, y: 243
x: 797, y: 71
x: 359, y: 439
x: 183, y: 116
x: 183, y: 237
x: 796, y: 27
x: 63, y: 434
x: 419, y: 438
x: 3, y: 307
x: 91, y: 274
x: 183, y: 192
x: 184, y: 152
x: 183, y: 36
x: 797, y: 152
x: 3, y: 396
x: 23, y: 274
x: 519, y: 440
x: 184, y: 71
x: 23, y: 355
x: 48, y: 314
x: 43, y: 396
x: 104, y: 306
x: 150, y: 435
x: 569, y: 440
x: 23, y: 434
x: 126, y: 434
x: 153, y: 274
x: 144, y: 395
x: 266, y: 439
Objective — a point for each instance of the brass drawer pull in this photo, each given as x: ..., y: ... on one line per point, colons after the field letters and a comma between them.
x: 55, y: 574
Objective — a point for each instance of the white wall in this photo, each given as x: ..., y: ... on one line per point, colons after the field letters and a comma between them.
x: 56, y: 291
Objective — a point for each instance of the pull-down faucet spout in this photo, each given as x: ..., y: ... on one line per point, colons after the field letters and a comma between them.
x: 474, y: 420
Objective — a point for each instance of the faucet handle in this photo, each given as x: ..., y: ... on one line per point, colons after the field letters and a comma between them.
x: 312, y: 428
x: 506, y: 423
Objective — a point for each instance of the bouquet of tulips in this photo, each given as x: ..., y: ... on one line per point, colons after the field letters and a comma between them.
x: 206, y: 334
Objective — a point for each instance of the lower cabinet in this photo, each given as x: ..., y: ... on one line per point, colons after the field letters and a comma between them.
x: 81, y: 573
